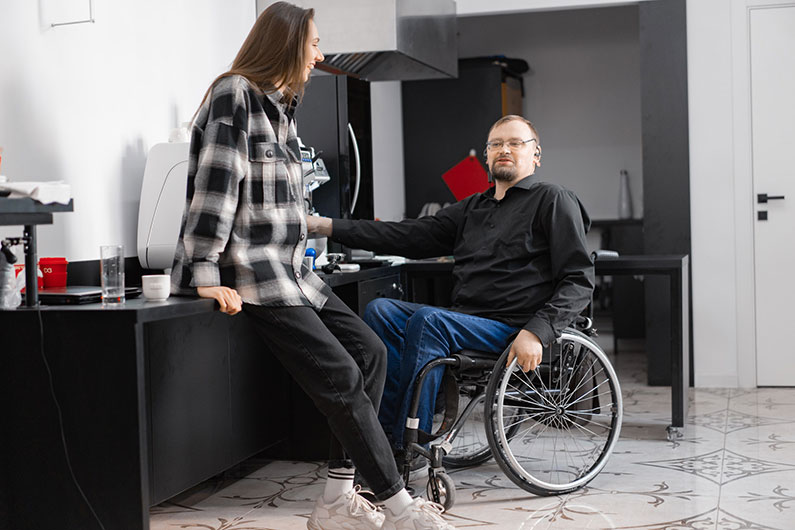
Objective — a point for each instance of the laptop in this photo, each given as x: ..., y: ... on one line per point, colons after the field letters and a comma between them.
x: 79, y: 294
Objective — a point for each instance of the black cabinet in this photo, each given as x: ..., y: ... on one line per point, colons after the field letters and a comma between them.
x: 444, y: 118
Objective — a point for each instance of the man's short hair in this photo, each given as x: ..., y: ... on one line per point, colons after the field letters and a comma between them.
x: 516, y: 117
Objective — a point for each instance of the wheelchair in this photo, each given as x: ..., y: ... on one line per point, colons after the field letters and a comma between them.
x: 551, y: 431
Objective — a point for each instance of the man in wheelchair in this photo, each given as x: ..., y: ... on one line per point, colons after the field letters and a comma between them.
x: 522, y: 273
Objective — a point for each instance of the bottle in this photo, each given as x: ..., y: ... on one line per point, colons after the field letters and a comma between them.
x: 9, y: 290
x: 624, y: 197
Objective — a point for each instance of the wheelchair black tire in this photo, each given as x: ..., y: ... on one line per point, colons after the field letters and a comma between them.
x: 446, y: 489
x: 505, y: 457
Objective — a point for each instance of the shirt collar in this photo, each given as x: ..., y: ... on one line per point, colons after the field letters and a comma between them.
x: 525, y: 184
x: 282, y: 105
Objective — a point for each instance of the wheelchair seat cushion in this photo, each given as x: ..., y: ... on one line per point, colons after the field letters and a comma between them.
x: 479, y: 355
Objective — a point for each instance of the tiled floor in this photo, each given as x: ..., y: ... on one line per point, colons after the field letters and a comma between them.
x: 733, y: 469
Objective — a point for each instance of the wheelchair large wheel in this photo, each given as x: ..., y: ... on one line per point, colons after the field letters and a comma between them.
x: 571, y: 419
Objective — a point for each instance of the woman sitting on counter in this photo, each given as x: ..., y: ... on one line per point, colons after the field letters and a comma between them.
x: 242, y: 243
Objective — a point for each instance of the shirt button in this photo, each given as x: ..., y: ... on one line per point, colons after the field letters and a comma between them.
x: 302, y: 236
x: 297, y: 275
x: 491, y: 225
x: 269, y: 153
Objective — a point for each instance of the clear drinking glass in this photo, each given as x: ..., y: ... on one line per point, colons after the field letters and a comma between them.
x: 112, y: 271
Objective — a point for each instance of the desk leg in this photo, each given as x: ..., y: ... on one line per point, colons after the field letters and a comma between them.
x: 680, y: 351
x: 31, y: 267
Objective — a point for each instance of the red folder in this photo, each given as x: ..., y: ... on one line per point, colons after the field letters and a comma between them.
x: 466, y: 178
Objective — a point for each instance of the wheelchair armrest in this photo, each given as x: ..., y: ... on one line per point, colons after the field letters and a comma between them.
x: 469, y: 360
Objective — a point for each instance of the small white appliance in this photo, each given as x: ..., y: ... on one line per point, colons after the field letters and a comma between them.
x: 162, y: 202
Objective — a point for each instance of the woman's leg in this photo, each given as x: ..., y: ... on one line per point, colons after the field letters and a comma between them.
x: 333, y: 379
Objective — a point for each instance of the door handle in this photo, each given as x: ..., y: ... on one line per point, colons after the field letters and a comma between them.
x: 762, y: 198
x: 358, y: 167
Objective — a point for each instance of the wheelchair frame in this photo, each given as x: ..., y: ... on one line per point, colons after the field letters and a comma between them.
x: 441, y: 487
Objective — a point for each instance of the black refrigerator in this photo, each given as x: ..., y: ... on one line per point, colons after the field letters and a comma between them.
x: 334, y: 117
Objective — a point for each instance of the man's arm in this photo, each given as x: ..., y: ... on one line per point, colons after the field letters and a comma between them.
x: 565, y: 222
x: 425, y: 237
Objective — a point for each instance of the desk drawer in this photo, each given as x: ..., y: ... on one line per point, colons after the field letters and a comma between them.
x: 386, y: 287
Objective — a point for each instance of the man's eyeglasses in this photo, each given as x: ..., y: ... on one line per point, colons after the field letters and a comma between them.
x: 515, y: 144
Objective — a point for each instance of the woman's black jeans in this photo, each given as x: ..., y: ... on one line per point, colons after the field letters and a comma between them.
x: 341, y: 364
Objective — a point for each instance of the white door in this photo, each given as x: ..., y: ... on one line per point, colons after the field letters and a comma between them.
x: 772, y: 40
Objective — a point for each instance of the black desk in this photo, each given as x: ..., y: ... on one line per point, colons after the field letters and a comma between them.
x: 158, y: 396
x: 675, y: 267
x: 155, y: 396
x: 29, y: 213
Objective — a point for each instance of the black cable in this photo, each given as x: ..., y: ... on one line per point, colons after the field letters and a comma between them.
x: 60, y: 420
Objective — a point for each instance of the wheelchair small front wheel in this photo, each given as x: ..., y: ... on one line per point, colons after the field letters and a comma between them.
x: 572, y: 412
x: 445, y: 488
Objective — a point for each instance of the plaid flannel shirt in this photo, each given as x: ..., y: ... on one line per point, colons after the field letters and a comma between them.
x: 244, y: 222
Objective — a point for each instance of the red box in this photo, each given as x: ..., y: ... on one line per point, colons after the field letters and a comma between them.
x: 54, y: 271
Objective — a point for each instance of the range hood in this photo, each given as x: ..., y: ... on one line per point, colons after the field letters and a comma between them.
x: 386, y: 40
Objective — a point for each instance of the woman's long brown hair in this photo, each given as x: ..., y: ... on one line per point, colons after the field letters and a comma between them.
x: 272, y: 56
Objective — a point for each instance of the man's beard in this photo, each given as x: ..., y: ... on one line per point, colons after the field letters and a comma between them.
x: 504, y: 173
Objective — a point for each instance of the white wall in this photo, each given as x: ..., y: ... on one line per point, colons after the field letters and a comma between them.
x: 582, y: 94
x: 84, y: 103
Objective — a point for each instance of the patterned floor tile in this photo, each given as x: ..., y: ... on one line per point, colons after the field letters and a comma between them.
x: 728, y: 420
x: 721, y: 466
x: 734, y: 469
x: 764, y: 443
x: 768, y: 500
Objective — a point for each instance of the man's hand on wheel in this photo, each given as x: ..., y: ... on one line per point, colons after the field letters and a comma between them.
x: 526, y: 348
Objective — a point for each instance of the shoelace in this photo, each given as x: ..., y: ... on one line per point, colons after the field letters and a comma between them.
x: 433, y: 510
x: 358, y: 502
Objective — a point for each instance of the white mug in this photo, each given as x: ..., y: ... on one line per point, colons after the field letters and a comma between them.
x: 157, y: 287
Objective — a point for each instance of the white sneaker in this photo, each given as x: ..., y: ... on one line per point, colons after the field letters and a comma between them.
x: 350, y: 511
x: 419, y: 515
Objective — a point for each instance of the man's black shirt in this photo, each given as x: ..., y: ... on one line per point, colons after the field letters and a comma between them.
x: 522, y: 260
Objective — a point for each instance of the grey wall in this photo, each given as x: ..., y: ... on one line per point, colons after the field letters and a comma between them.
x: 582, y: 93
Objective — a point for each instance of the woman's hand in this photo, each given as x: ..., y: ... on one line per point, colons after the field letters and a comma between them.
x: 227, y: 298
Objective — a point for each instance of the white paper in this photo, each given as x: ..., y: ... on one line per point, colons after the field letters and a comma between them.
x: 44, y: 192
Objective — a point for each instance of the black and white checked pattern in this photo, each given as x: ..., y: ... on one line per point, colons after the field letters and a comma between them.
x: 244, y: 222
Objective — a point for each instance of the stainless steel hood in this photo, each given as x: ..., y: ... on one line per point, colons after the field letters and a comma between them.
x: 385, y: 40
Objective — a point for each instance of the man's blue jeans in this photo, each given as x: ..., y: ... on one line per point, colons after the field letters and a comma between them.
x: 415, y: 334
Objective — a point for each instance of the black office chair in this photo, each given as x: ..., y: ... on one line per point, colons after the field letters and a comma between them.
x: 551, y: 431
